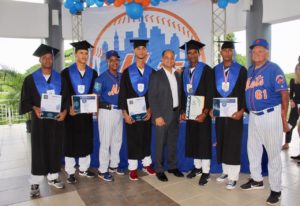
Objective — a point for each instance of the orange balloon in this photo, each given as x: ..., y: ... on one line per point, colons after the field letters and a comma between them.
x: 139, y: 1
x: 129, y: 1
x: 146, y: 3
x: 118, y: 3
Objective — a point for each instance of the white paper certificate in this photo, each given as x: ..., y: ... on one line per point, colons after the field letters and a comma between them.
x: 194, y: 106
x: 85, y: 103
x: 50, y: 105
x: 224, y: 107
x: 137, y: 108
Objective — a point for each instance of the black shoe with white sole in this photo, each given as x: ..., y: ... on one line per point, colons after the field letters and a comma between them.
x: 87, y: 174
x: 274, y: 198
x: 205, y: 177
x: 253, y: 185
x: 71, y: 179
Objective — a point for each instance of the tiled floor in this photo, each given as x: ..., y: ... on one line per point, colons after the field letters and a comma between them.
x: 15, y: 170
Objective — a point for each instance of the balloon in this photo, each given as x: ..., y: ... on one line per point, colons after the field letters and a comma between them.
x: 164, y: 0
x: 119, y: 3
x: 222, y: 3
x: 68, y: 4
x: 79, y: 6
x: 134, y: 10
x: 146, y: 3
x: 155, y: 2
x: 138, y: 1
x: 233, y: 1
x: 90, y: 2
x: 73, y: 10
x: 99, y: 3
x: 110, y: 1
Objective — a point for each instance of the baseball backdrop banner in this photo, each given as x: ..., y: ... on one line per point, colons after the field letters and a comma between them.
x: 166, y: 27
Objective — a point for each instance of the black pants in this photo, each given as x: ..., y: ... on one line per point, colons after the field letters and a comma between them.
x: 166, y: 135
x: 293, y: 118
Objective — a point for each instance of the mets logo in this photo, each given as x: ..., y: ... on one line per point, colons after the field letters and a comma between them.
x: 164, y: 30
x: 280, y: 79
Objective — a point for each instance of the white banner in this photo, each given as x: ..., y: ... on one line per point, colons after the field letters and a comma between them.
x: 167, y: 26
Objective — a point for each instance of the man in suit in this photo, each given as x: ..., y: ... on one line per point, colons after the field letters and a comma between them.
x: 164, y: 99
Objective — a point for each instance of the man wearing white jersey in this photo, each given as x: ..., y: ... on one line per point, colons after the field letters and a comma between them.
x: 267, y: 101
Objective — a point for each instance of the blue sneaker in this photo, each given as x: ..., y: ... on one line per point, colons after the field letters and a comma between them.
x: 106, y: 176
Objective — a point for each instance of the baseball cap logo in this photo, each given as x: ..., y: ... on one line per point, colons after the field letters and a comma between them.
x: 257, y: 41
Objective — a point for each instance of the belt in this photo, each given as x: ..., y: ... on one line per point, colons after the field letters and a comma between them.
x: 175, y: 109
x: 269, y: 110
x: 104, y: 105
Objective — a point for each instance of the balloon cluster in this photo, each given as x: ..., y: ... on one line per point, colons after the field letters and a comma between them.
x: 134, y: 8
x: 223, y: 3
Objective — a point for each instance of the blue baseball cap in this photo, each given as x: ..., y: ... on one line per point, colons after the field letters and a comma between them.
x: 260, y: 42
x: 112, y: 53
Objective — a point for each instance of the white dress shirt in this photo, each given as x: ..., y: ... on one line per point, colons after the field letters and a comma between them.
x: 174, y: 87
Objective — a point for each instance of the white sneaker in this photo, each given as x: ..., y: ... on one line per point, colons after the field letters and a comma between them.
x: 56, y: 183
x: 222, y: 178
x: 231, y: 184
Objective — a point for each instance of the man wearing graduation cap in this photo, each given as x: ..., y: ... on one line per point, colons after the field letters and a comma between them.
x: 198, y: 80
x: 110, y: 119
x: 230, y: 82
x: 134, y: 83
x: 79, y: 127
x: 46, y: 134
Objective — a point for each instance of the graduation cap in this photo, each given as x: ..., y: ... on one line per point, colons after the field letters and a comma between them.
x: 139, y: 42
x: 45, y: 49
x: 112, y: 53
x: 81, y: 45
x: 192, y: 44
x: 227, y: 44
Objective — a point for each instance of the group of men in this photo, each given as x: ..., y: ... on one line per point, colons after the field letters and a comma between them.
x: 261, y: 91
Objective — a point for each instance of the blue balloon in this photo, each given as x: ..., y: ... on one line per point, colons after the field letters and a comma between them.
x: 99, y: 3
x: 155, y: 2
x: 233, y: 1
x: 134, y: 10
x: 68, y: 4
x: 164, y: 0
x: 222, y: 3
x: 79, y: 6
x: 73, y: 10
x: 90, y: 2
x: 110, y: 1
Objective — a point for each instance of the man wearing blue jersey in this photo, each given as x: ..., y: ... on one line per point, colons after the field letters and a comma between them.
x: 267, y: 102
x: 110, y: 119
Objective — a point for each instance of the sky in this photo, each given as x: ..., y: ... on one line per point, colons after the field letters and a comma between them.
x: 285, y: 47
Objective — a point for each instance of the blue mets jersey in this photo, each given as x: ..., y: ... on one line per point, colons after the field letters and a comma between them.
x: 107, y: 87
x: 263, y: 86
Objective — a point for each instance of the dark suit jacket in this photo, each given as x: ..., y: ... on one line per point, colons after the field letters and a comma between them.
x: 160, y: 95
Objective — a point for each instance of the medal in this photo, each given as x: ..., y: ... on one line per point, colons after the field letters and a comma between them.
x: 51, y: 91
x: 140, y: 87
x: 225, y: 86
x: 189, y: 88
x: 80, y: 89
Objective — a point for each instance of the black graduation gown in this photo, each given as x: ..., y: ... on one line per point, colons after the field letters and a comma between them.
x: 46, y: 135
x: 79, y: 128
x: 139, y: 133
x: 198, y: 140
x: 229, y: 132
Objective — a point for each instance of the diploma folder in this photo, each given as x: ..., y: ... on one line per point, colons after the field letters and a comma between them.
x: 50, y: 106
x: 137, y: 108
x: 194, y: 106
x: 224, y: 107
x: 86, y: 103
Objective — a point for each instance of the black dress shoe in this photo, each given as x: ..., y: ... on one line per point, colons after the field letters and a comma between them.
x: 161, y: 176
x: 295, y: 157
x: 176, y: 172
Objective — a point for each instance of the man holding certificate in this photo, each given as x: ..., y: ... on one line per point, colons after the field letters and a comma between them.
x: 110, y: 119
x: 133, y: 100
x: 44, y: 94
x: 229, y: 106
x: 198, y: 91
x: 79, y: 126
x: 164, y: 100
